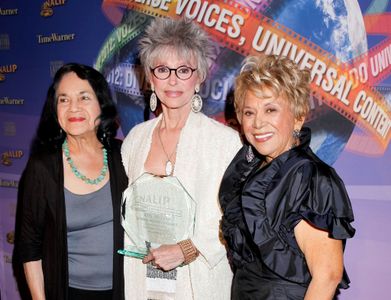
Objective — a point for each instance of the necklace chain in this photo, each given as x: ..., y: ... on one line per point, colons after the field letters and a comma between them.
x: 78, y: 174
x: 169, y: 164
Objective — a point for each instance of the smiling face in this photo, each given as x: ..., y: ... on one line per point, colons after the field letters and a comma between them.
x: 174, y: 93
x: 77, y: 106
x: 268, y: 123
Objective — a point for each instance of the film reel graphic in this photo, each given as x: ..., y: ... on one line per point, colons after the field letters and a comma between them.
x: 358, y: 102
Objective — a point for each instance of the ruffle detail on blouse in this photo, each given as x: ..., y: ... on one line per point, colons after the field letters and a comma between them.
x: 261, y: 216
x: 275, y: 247
x: 232, y: 224
x: 338, y: 228
x: 235, y: 175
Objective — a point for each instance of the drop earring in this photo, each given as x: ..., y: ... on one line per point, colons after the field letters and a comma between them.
x: 250, y: 154
x: 153, y: 100
x: 61, y: 133
x: 196, y: 101
x: 103, y: 137
x: 296, y: 136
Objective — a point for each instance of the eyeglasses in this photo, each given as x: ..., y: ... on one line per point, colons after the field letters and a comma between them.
x: 163, y: 72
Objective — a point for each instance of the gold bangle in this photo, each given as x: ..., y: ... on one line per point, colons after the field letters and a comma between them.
x: 190, y: 252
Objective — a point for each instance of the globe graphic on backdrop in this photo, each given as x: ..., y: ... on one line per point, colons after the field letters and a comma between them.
x: 336, y: 27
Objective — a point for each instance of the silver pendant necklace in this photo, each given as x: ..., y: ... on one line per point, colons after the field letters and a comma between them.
x: 169, y: 168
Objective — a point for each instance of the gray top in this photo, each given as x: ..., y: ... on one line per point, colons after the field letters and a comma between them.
x: 90, y: 239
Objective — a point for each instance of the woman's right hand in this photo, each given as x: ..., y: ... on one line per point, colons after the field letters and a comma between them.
x: 166, y: 257
x: 34, y: 276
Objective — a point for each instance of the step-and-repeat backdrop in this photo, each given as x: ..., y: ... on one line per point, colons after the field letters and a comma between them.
x: 345, y: 43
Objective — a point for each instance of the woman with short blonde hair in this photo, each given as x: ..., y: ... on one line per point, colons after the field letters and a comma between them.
x: 286, y: 213
x: 281, y: 75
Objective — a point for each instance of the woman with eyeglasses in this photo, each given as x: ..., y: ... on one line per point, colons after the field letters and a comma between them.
x: 184, y: 143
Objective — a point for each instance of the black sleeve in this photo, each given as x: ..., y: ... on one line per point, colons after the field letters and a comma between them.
x: 32, y: 208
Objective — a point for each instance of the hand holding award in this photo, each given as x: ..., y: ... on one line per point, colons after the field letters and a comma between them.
x: 155, y: 211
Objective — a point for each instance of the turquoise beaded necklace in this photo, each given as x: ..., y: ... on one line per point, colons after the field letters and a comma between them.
x: 77, y: 173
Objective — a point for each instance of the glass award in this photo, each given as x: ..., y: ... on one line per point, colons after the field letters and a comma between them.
x: 156, y: 210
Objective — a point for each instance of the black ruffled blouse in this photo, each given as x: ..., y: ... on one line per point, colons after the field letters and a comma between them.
x: 263, y: 205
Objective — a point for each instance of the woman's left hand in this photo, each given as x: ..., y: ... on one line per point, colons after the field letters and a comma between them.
x: 166, y: 257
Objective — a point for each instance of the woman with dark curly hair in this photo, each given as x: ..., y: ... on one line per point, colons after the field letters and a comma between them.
x: 70, y: 193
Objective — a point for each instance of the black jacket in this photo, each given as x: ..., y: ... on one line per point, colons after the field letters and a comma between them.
x: 41, y: 230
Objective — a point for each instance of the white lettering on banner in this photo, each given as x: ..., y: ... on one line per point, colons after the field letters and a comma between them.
x: 223, y: 20
x: 216, y: 88
x: 8, y: 11
x: 326, y: 78
x: 381, y: 61
x: 11, y: 101
x: 55, y: 37
x: 372, y: 113
x: 9, y: 183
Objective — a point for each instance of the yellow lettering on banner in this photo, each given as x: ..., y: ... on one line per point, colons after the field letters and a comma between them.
x: 14, y: 153
x: 8, y: 68
x: 53, y: 3
x: 161, y: 4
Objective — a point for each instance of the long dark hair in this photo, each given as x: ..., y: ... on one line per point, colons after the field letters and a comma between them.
x: 50, y: 136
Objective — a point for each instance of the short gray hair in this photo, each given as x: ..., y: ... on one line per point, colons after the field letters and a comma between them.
x: 183, y: 36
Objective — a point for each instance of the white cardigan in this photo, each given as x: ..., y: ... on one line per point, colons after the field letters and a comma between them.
x: 205, y: 149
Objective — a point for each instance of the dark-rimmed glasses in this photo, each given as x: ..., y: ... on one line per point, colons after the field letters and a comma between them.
x: 163, y: 72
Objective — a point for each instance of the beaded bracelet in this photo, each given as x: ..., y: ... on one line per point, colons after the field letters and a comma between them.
x: 189, y: 251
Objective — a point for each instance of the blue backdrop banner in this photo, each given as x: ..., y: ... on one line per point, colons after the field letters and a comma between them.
x: 346, y: 44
